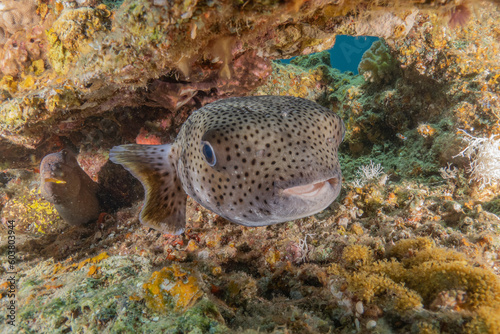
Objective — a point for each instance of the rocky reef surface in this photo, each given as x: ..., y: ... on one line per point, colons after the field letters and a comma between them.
x: 411, y: 246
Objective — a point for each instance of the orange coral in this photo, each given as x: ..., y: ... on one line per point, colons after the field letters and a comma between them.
x: 425, y: 130
x: 171, y: 287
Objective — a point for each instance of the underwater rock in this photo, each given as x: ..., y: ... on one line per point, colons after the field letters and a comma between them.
x: 377, y: 65
x: 22, y: 53
x: 293, y: 80
x: 384, y: 24
x: 72, y: 31
x: 249, y: 71
x: 95, y: 59
x: 69, y: 188
x: 16, y: 15
x: 237, y: 144
x: 464, y: 60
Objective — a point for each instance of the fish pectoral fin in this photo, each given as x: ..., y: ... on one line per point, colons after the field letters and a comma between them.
x: 154, y: 165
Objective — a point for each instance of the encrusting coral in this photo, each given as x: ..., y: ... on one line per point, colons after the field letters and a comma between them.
x: 171, y: 288
x: 35, y: 214
x: 193, y: 44
x: 72, y: 31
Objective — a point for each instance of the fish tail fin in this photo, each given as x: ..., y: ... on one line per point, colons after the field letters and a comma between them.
x: 154, y: 165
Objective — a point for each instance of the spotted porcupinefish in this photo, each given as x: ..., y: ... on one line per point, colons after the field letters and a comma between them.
x: 255, y: 161
x: 69, y: 188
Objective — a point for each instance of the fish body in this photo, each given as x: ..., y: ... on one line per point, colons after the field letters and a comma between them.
x: 255, y: 161
x: 65, y: 184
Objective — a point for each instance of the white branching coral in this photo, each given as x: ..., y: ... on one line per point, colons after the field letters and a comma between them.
x: 448, y: 172
x: 484, y: 156
x: 367, y: 173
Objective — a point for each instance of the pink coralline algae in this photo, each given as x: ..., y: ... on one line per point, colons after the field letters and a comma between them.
x: 16, y: 16
x: 21, y: 50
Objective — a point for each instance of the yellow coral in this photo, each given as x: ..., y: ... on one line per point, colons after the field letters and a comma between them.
x: 292, y: 81
x: 428, y: 279
x: 369, y: 286
x: 62, y: 99
x: 31, y: 211
x: 427, y: 328
x: 8, y: 83
x: 416, y: 275
x: 171, y: 287
x: 486, y: 321
x: 434, y: 254
x: 357, y: 255
x: 71, y: 32
x: 28, y: 82
x: 58, y: 267
x: 37, y: 67
x: 357, y: 229
x: 404, y: 247
x: 95, y: 259
x: 393, y: 269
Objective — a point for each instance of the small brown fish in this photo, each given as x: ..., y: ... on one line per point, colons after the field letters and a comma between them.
x: 253, y: 160
x: 69, y: 188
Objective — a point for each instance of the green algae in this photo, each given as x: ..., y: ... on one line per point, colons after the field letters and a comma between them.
x: 493, y: 206
x: 105, y: 296
x: 405, y: 154
x: 112, y: 4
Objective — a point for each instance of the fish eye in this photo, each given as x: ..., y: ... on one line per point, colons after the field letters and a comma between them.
x: 208, y: 153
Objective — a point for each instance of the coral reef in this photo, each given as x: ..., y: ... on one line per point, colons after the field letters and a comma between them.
x: 417, y: 274
x: 434, y: 89
x: 466, y: 58
x: 21, y: 198
x: 35, y: 214
x: 72, y: 297
x: 71, y: 33
x: 96, y: 58
x: 412, y: 244
x: 22, y: 54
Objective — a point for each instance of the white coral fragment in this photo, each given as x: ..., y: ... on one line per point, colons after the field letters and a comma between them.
x: 484, y: 156
x: 367, y: 173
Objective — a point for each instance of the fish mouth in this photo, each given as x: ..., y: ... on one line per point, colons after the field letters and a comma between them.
x: 54, y: 180
x: 312, y: 189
